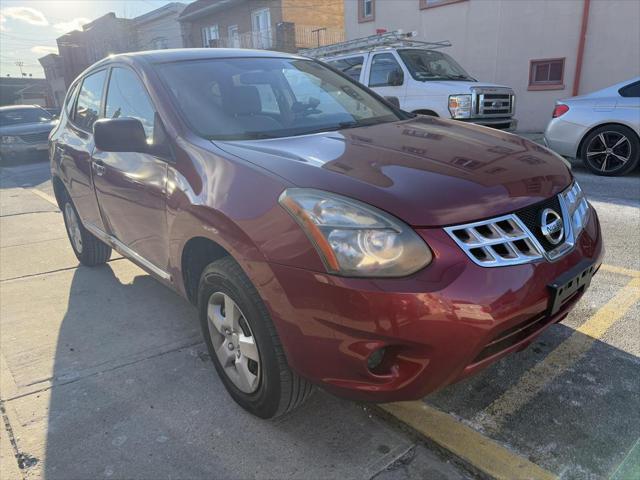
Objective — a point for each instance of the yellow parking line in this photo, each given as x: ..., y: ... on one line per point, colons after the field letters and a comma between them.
x: 621, y: 270
x: 479, y: 451
x: 563, y: 356
x: 43, y: 195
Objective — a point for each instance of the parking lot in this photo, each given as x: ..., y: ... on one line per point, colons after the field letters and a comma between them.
x: 104, y: 375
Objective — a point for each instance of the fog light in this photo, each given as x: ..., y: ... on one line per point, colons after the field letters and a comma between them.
x: 375, y: 359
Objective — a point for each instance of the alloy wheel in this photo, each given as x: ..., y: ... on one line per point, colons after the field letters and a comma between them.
x: 608, y: 151
x: 73, y: 227
x: 233, y: 342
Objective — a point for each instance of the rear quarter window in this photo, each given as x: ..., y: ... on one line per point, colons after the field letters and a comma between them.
x: 632, y: 90
x: 68, y: 105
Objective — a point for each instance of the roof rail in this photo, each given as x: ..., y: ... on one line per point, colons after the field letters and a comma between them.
x: 397, y: 38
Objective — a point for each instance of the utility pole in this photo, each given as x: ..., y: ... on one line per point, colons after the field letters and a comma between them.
x: 20, y: 64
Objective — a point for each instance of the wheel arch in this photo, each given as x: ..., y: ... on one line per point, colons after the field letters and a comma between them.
x: 604, y: 124
x: 59, y: 190
x: 197, y: 253
x: 202, y: 236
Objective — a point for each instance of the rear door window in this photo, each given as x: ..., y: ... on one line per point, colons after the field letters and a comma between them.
x: 351, y: 66
x: 89, y: 103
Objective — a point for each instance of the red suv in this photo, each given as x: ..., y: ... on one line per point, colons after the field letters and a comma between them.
x: 326, y: 236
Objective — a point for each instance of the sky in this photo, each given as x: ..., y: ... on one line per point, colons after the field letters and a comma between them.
x: 29, y: 28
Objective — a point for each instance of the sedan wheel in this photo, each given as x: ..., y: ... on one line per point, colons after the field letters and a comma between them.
x: 233, y: 342
x: 611, y: 150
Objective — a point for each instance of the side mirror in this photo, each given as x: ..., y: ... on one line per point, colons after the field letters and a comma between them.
x: 395, y: 101
x: 395, y: 78
x: 120, y: 135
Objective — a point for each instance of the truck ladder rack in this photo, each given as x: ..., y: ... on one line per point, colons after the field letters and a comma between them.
x: 397, y: 38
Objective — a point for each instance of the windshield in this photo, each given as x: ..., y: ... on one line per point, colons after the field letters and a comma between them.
x: 431, y: 65
x: 16, y: 116
x: 251, y: 98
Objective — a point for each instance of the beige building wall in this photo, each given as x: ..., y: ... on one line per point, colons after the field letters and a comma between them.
x: 166, y: 26
x: 494, y: 40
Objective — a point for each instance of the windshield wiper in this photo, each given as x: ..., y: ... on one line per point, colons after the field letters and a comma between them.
x: 457, y: 77
x: 338, y: 126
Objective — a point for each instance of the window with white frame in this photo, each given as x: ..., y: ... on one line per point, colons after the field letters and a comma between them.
x: 366, y: 12
x: 234, y: 36
x: 208, y: 34
x: 160, y: 43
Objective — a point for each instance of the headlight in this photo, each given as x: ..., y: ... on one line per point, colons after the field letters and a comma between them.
x: 577, y: 207
x: 460, y: 106
x: 353, y: 238
x: 9, y: 139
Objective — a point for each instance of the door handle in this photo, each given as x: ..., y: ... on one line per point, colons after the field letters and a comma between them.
x: 99, y: 168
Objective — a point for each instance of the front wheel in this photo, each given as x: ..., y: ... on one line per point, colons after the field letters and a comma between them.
x: 89, y: 250
x: 611, y: 150
x: 243, y: 343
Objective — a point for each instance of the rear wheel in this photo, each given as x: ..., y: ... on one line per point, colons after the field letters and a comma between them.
x: 611, y: 150
x: 88, y: 249
x: 243, y: 343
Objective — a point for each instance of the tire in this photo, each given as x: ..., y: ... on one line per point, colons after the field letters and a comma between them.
x: 270, y: 388
x: 616, y: 142
x: 89, y: 250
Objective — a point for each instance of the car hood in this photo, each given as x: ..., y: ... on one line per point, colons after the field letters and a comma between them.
x: 26, y: 128
x: 426, y: 171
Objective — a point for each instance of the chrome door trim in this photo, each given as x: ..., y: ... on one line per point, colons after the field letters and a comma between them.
x: 126, y: 251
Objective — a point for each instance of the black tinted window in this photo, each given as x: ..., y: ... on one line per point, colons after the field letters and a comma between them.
x: 349, y: 66
x: 385, y: 70
x: 127, y: 97
x: 89, y: 100
x: 632, y: 90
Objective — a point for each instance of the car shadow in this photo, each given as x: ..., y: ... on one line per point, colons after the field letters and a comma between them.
x: 26, y: 175
x: 135, y: 395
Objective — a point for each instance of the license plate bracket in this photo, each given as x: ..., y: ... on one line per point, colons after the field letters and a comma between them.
x: 569, y: 283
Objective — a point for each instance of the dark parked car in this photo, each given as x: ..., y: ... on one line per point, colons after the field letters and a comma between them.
x: 325, y: 236
x: 24, y: 130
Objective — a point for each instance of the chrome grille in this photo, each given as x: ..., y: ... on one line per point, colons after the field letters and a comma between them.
x: 496, y: 242
x: 493, y: 102
x: 516, y: 238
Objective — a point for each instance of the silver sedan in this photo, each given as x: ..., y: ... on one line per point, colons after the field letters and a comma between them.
x: 601, y: 128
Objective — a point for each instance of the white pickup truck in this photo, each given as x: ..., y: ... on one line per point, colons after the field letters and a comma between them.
x: 423, y: 79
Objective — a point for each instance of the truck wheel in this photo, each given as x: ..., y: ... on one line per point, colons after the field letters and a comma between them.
x: 243, y: 343
x: 88, y: 249
x: 611, y: 150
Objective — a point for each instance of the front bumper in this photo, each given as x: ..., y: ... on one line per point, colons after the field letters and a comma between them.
x: 564, y: 137
x: 442, y: 324
x: 507, y: 123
